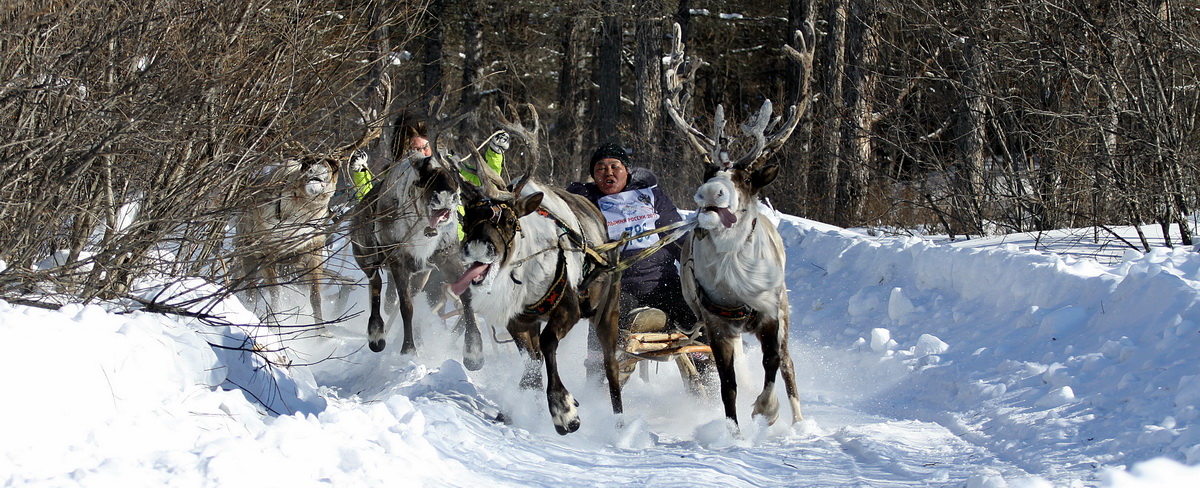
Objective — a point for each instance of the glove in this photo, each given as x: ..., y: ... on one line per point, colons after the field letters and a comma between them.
x: 358, y: 161
x: 499, y: 142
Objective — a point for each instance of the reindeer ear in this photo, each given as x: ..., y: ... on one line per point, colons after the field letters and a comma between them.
x: 763, y: 176
x: 710, y: 171
x: 527, y: 204
x: 332, y: 163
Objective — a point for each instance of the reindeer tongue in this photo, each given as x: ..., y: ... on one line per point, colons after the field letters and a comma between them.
x: 438, y: 217
x: 458, y: 287
x: 727, y: 217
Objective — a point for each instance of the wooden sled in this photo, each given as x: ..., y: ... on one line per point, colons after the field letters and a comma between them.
x: 664, y: 346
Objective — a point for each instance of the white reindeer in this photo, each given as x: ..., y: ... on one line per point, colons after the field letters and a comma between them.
x: 733, y: 263
x: 282, y: 236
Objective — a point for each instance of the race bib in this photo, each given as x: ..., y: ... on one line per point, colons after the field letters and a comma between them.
x: 631, y: 211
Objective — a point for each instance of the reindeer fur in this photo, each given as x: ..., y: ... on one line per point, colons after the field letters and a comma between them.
x: 410, y: 214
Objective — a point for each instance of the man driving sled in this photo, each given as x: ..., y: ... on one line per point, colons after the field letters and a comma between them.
x: 631, y: 201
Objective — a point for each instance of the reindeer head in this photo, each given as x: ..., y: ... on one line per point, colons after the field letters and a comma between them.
x: 730, y: 193
x: 319, y: 176
x: 491, y: 224
x: 437, y: 186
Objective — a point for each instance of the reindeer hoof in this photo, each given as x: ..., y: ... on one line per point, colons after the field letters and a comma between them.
x: 377, y: 346
x: 567, y: 429
x: 473, y: 355
x: 473, y: 364
x: 767, y: 406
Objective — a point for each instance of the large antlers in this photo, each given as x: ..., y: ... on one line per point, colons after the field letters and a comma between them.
x: 767, y: 131
x: 373, y: 120
x: 515, y: 126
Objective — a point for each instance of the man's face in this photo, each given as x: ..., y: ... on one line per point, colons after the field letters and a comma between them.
x: 422, y: 144
x: 610, y: 175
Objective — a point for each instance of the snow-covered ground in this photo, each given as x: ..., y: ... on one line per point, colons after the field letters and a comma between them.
x: 919, y: 363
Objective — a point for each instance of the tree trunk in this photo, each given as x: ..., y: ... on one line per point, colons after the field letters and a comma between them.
x: 825, y: 178
x: 862, y: 53
x: 432, y: 59
x: 608, y: 76
x: 570, y: 99
x: 647, y: 130
x: 968, y: 174
x: 379, y: 46
x: 796, y: 171
x: 472, y: 74
x: 681, y: 161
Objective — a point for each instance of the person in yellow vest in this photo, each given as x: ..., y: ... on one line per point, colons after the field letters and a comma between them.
x: 493, y: 156
x: 411, y: 135
x: 417, y: 140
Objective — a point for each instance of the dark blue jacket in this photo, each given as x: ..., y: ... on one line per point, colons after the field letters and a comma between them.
x: 656, y: 270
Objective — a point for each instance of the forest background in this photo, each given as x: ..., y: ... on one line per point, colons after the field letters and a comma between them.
x: 964, y: 118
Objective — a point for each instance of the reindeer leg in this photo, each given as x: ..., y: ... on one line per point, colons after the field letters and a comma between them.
x: 316, y: 273
x: 527, y: 341
x: 275, y: 332
x: 767, y: 404
x: 564, y: 409
x: 789, y: 379
x: 271, y: 282
x: 605, y: 322
x: 472, y: 338
x: 376, y: 329
x: 449, y: 265
x: 404, y: 293
x: 252, y: 295
x: 723, y: 348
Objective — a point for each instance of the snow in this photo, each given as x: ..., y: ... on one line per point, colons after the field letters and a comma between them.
x: 920, y: 363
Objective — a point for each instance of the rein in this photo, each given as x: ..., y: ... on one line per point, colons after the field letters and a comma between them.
x: 679, y: 229
x: 598, y: 264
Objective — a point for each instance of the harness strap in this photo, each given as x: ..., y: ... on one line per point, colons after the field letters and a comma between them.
x: 594, y: 263
x: 625, y: 238
x: 554, y: 294
x: 739, y: 313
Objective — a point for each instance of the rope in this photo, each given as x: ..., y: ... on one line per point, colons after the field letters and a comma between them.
x: 679, y: 229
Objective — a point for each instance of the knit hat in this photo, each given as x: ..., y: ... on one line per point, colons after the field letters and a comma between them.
x: 606, y: 151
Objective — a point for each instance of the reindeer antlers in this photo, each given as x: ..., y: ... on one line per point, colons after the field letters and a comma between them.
x: 516, y: 126
x: 767, y: 132
x: 372, y: 119
x: 678, y: 76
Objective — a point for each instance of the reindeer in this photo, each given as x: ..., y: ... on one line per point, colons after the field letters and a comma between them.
x: 732, y: 266
x: 284, y: 235
x: 527, y: 265
x: 409, y: 217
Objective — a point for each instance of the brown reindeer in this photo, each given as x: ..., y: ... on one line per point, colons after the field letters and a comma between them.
x: 527, y: 267
x: 282, y: 238
x: 732, y: 266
